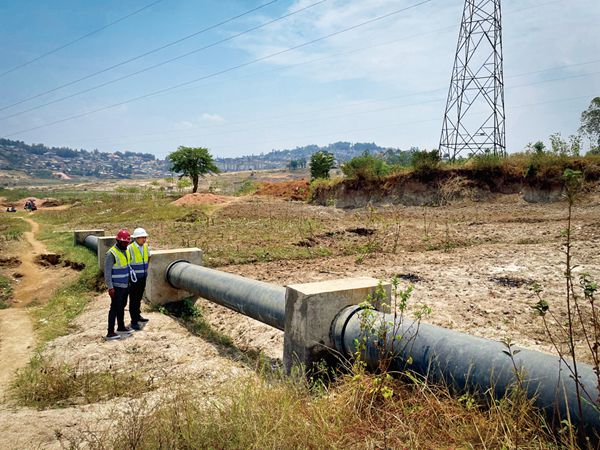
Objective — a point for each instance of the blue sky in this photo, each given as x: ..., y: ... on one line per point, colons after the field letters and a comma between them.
x: 385, y: 82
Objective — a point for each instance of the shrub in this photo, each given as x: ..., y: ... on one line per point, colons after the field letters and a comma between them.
x: 365, y: 167
x: 246, y: 188
x: 485, y: 162
x: 424, y: 161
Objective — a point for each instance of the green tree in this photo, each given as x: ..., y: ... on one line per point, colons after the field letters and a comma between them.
x: 293, y: 164
x: 320, y: 165
x: 590, y: 121
x: 560, y: 147
x: 193, y: 162
x: 537, y: 148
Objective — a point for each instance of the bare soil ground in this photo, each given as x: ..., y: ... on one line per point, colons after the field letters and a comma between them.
x: 202, y: 198
x: 480, y: 284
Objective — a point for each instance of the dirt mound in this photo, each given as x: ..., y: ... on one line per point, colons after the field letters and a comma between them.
x: 48, y: 259
x: 202, y: 198
x: 51, y: 202
x: 288, y: 190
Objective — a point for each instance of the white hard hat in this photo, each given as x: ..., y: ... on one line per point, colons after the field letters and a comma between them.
x: 139, y: 232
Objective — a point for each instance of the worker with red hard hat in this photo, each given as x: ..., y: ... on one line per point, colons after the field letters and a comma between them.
x: 116, y: 275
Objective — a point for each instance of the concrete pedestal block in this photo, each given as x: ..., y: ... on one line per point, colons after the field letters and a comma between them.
x: 104, y: 243
x: 80, y: 235
x: 310, y: 309
x: 158, y: 289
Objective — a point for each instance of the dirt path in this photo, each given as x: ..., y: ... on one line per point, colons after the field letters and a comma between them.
x: 16, y: 344
x: 17, y: 338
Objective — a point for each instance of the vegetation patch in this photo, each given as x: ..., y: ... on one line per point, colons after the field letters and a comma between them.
x: 259, y: 414
x: 5, y: 292
x: 45, y: 384
x: 191, y: 317
x: 11, y: 229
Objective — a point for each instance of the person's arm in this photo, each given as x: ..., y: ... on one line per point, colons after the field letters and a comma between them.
x: 109, y: 262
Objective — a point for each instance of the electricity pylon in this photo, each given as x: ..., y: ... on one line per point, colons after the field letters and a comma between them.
x: 474, y: 120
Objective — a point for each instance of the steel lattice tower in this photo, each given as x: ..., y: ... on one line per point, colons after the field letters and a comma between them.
x: 474, y: 118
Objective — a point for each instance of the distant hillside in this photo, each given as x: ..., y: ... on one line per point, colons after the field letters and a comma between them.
x: 47, y: 162
x: 41, y: 161
x: 342, y: 151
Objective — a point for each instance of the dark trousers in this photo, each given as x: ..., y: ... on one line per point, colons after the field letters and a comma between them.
x: 117, y: 309
x: 136, y: 292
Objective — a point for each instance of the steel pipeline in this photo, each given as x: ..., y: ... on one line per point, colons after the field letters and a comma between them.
x: 473, y: 364
x: 262, y: 301
x: 91, y: 242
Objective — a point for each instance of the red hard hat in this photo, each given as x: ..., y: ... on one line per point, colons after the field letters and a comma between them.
x: 124, y: 236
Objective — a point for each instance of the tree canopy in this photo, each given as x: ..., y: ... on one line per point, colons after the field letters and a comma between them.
x: 590, y: 121
x: 193, y: 162
x: 320, y: 164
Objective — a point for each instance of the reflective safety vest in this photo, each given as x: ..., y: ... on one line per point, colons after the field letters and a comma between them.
x: 120, y: 269
x: 139, y: 259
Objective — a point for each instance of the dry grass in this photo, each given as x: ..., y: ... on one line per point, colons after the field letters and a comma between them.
x: 45, y: 384
x: 260, y: 414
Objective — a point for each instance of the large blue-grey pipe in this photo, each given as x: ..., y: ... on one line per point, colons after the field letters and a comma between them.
x: 262, y: 301
x: 91, y: 242
x: 471, y: 363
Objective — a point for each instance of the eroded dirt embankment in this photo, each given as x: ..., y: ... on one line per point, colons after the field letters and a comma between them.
x: 438, y: 187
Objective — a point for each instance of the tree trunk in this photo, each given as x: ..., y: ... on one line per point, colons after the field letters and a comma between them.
x: 195, y: 181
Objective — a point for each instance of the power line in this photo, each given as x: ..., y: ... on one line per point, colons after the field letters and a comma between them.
x: 68, y: 44
x: 412, y: 94
x: 436, y: 31
x: 440, y: 99
x: 84, y: 91
x: 135, y: 58
x: 154, y: 66
x: 229, y: 69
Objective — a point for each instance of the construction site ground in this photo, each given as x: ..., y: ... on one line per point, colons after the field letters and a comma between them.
x: 473, y: 263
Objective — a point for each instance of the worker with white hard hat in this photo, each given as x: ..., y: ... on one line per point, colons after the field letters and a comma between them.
x: 140, y: 256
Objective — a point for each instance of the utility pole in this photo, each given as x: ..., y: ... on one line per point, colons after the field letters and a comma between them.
x: 474, y: 120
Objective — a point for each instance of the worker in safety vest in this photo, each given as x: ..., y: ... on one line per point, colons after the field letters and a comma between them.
x: 139, y: 257
x: 116, y: 275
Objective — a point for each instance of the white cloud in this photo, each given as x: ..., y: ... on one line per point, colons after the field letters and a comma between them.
x: 392, y: 50
x: 211, y: 118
